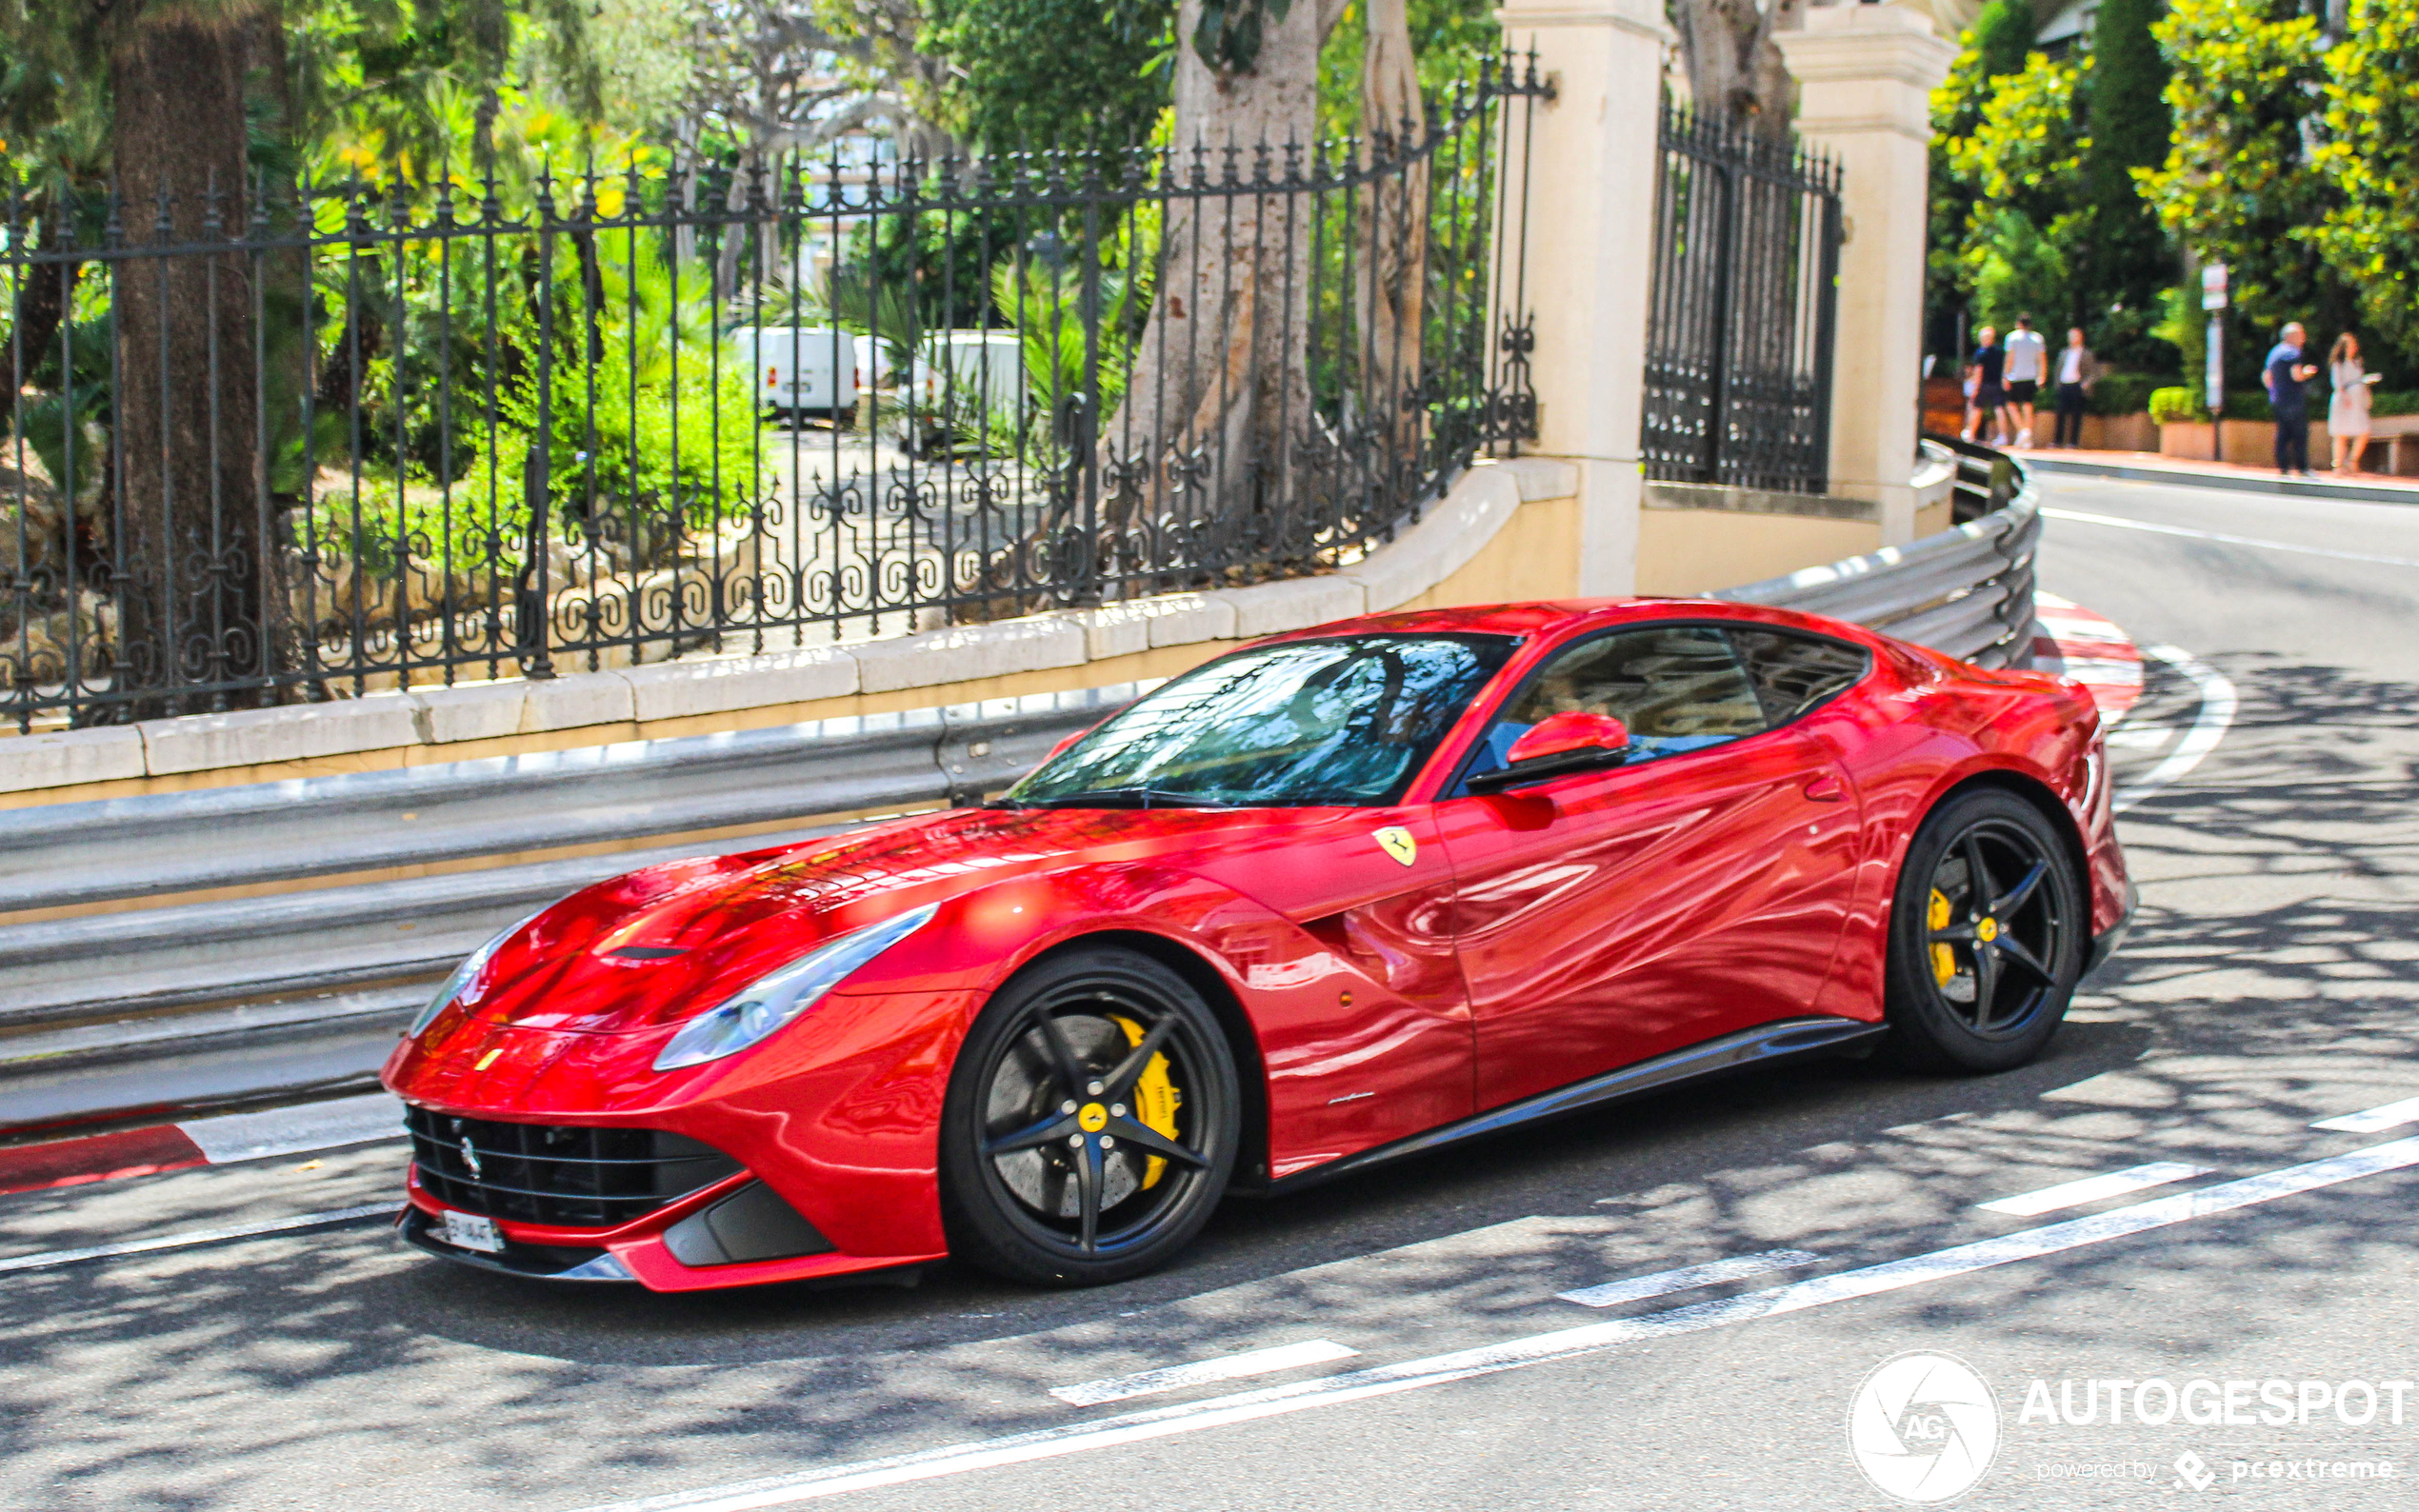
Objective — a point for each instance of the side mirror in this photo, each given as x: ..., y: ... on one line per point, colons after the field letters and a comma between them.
x: 1562, y: 744
x: 1562, y: 734
x: 1062, y: 745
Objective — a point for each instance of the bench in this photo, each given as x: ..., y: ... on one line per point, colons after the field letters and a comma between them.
x: 2394, y: 431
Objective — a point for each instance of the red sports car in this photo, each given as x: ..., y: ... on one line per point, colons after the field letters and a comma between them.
x: 1333, y: 898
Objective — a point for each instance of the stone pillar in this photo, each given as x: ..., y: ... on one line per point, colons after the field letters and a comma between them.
x: 1866, y: 73
x: 1589, y: 206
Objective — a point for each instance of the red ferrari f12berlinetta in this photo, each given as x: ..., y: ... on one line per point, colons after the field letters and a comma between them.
x: 1332, y: 899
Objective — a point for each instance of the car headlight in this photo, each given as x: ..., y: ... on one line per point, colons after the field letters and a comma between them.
x: 466, y: 976
x: 772, y: 1001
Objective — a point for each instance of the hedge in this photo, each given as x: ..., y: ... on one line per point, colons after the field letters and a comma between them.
x: 2121, y: 393
x: 2175, y: 406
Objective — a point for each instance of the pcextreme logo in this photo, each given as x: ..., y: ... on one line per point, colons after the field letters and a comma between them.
x: 1922, y: 1427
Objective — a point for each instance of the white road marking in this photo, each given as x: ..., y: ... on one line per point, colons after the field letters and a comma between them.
x: 291, y: 1130
x: 1687, y: 1278
x: 1357, y: 1385
x: 2083, y: 517
x: 2093, y: 1188
x: 1202, y: 1372
x: 2375, y: 1119
x: 2140, y: 737
x: 2218, y: 703
x: 205, y: 1236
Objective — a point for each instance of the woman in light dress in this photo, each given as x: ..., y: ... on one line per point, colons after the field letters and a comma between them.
x: 2348, y: 412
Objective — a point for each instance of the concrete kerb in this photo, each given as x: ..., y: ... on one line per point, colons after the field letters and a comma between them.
x: 1450, y: 533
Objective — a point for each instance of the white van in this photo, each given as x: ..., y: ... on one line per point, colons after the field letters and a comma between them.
x: 963, y: 369
x: 795, y: 369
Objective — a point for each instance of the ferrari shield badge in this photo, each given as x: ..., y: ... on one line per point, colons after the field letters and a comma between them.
x: 1397, y: 841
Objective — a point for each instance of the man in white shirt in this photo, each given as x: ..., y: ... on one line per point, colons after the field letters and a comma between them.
x: 2028, y: 360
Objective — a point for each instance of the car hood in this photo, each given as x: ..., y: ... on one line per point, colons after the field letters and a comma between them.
x: 659, y: 946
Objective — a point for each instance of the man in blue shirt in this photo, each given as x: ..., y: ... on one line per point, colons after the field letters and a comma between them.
x: 2285, y: 374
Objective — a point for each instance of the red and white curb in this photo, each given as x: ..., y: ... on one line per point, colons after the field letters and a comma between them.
x: 2070, y: 641
x: 219, y: 1141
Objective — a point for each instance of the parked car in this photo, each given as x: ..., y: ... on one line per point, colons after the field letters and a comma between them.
x: 1336, y: 898
x: 797, y: 370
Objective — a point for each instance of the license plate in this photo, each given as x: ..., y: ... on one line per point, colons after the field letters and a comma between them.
x: 470, y: 1231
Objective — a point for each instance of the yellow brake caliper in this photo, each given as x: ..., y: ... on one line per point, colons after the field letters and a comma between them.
x: 1155, y: 1100
x: 1944, y: 961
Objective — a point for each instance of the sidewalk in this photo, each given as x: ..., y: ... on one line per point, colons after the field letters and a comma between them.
x: 2149, y: 466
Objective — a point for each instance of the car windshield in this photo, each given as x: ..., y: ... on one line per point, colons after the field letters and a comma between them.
x: 1302, y: 723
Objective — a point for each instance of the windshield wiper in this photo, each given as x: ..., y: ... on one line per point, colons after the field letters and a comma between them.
x: 1127, y: 798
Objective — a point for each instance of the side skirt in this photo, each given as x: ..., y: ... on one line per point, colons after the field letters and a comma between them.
x: 1766, y: 1045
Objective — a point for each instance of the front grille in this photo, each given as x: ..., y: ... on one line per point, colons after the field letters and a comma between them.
x: 562, y: 1174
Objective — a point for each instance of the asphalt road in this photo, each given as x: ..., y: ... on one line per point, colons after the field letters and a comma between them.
x: 2270, y: 985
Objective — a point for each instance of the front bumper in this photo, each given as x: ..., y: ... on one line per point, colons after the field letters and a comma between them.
x: 735, y: 1233
x: 2105, y: 943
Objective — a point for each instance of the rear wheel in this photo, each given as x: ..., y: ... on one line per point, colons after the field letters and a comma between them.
x: 1985, y: 936
x: 1091, y: 1122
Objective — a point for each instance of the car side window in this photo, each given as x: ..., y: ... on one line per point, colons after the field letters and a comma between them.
x: 1678, y: 687
x: 1794, y: 673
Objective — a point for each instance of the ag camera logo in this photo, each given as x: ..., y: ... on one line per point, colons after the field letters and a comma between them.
x: 1922, y: 1427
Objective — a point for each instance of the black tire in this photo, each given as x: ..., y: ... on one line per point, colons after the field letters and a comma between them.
x: 1980, y: 976
x: 1091, y: 1122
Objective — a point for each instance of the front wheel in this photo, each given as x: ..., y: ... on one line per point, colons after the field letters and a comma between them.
x: 1985, y: 936
x: 1091, y: 1122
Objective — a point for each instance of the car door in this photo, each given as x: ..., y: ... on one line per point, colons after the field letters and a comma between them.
x: 1609, y: 915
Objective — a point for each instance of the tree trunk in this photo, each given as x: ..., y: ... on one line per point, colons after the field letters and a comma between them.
x: 42, y: 308
x: 1735, y: 72
x: 194, y: 568
x: 1391, y: 276
x: 1200, y: 465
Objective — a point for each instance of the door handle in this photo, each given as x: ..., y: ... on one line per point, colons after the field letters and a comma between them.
x: 1825, y: 789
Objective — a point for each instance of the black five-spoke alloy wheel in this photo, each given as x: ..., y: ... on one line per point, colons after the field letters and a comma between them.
x: 1986, y: 936
x: 1091, y: 1122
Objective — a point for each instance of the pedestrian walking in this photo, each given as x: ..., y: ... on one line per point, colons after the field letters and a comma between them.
x: 2077, y: 370
x: 2286, y: 373
x: 2028, y: 365
x: 1987, y: 370
x: 2347, y: 411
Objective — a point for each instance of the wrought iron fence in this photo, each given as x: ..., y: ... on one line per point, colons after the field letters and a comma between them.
x: 305, y: 443
x: 1747, y: 237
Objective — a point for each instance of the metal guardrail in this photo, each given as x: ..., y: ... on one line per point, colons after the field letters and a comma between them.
x: 307, y: 984
x: 240, y: 972
x: 1966, y: 590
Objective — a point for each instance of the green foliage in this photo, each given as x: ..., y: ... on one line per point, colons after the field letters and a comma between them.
x: 2010, y: 213
x: 1450, y: 38
x: 2120, y: 394
x: 1227, y: 38
x: 2371, y: 159
x: 2175, y: 406
x: 1030, y: 75
x: 646, y: 416
x: 2395, y: 402
x: 2126, y: 258
x: 2002, y: 36
x: 2183, y: 408
x: 2178, y: 406
x: 2237, y: 185
x: 2016, y: 270
x: 2129, y: 122
x: 2184, y: 329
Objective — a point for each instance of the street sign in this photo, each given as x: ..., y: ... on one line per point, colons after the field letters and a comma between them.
x: 2213, y: 286
x: 2215, y: 394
